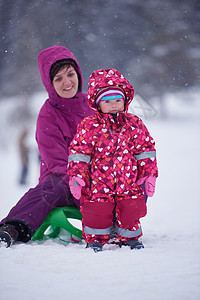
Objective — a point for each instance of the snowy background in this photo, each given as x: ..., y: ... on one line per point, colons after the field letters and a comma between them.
x: 155, y: 44
x: 168, y: 268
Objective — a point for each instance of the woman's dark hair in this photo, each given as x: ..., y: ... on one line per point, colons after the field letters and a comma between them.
x: 61, y: 64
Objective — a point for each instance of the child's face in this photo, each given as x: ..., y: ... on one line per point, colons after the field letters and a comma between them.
x: 65, y: 82
x: 111, y: 106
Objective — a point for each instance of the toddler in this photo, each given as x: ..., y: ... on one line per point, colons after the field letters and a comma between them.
x: 112, y: 164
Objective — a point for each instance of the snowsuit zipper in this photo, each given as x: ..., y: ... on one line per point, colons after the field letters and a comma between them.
x: 89, y: 168
x: 115, y: 185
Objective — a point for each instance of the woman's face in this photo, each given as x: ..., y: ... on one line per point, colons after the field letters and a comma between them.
x: 66, y: 82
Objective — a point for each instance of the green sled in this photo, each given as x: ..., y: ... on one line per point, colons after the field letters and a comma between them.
x: 56, y: 220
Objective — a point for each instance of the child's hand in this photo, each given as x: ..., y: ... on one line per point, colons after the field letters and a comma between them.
x: 75, y: 185
x: 150, y: 183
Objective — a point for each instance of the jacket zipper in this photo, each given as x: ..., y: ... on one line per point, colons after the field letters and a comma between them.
x: 111, y: 129
x: 115, y: 185
x: 89, y: 168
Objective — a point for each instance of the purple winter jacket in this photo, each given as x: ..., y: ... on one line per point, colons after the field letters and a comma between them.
x: 58, y: 118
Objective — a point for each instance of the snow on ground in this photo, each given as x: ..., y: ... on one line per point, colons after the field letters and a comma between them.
x: 168, y: 268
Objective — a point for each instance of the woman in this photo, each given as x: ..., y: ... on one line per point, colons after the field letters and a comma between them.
x: 56, y: 126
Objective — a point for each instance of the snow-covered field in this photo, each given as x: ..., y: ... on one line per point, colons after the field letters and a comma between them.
x: 168, y: 268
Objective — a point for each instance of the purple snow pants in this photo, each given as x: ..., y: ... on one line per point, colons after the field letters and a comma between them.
x: 35, y: 205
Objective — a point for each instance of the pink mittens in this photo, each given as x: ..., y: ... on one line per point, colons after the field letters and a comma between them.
x: 150, y: 183
x: 75, y: 184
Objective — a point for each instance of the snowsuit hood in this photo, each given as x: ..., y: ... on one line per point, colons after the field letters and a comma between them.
x: 108, y: 78
x: 46, y: 59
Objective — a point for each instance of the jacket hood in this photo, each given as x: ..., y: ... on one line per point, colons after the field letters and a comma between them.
x: 46, y: 59
x: 108, y: 78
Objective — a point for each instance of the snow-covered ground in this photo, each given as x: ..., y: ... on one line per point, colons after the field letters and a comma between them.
x: 168, y: 268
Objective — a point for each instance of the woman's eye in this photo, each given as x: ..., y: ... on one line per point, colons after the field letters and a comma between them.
x: 58, y: 79
x: 71, y: 74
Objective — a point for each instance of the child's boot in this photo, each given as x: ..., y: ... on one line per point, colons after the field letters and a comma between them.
x: 133, y: 244
x: 8, y: 235
x: 96, y: 246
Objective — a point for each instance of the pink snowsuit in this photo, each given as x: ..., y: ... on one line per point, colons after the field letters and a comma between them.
x: 111, y: 154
